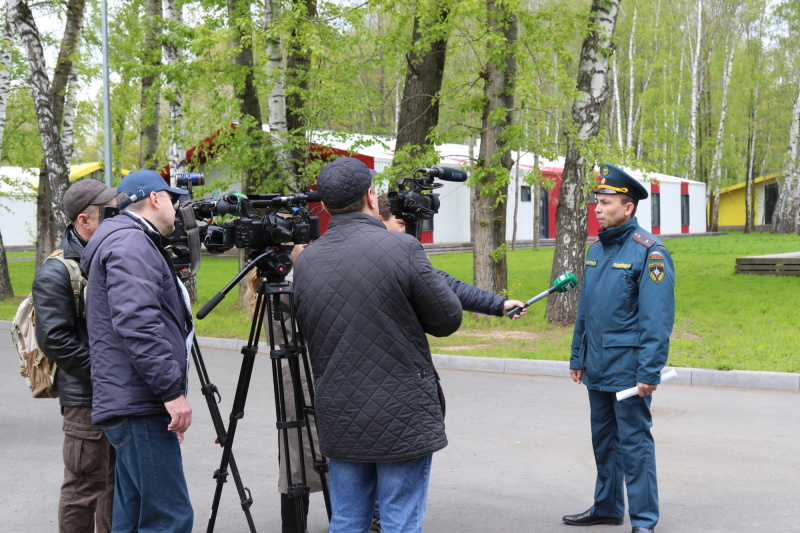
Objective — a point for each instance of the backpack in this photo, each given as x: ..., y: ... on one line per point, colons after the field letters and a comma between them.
x: 35, y: 367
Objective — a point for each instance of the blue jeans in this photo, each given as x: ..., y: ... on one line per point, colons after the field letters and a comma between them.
x: 150, y: 493
x: 401, y: 487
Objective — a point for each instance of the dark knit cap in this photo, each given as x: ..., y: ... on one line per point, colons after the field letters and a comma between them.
x: 343, y: 181
x: 84, y: 193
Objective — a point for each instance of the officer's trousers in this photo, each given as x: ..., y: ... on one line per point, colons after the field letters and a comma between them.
x: 624, y: 452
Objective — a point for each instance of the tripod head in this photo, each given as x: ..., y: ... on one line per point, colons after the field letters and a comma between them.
x: 273, y: 264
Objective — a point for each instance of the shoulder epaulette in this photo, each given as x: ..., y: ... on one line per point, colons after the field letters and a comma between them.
x: 644, y: 240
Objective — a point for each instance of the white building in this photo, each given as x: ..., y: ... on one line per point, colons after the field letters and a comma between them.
x: 675, y: 205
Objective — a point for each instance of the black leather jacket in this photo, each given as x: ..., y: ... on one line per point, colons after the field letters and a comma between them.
x: 61, y: 334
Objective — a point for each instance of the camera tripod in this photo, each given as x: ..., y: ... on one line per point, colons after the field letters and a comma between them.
x: 294, y: 415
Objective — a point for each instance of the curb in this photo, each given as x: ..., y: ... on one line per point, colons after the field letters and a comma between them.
x: 741, y: 379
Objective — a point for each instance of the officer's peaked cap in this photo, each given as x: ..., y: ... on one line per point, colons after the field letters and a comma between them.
x: 614, y: 180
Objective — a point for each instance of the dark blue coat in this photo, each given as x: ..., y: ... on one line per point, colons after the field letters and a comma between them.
x: 626, y: 310
x: 137, y: 318
x: 472, y: 298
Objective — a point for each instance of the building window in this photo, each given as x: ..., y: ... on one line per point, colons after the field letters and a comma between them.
x: 655, y: 204
x: 525, y: 193
x: 684, y: 210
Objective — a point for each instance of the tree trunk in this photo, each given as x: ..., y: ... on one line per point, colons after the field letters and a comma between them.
x: 716, y: 162
x: 298, y: 67
x: 617, y: 102
x: 173, y: 17
x: 491, y: 176
x: 695, y: 94
x: 631, y: 79
x: 536, y: 191
x: 516, y: 205
x: 6, y: 290
x: 419, y: 108
x: 751, y: 155
x: 150, y: 112
x: 784, y: 220
x: 5, y: 73
x: 571, y: 216
x: 67, y: 129
x: 57, y: 171
x: 287, y: 165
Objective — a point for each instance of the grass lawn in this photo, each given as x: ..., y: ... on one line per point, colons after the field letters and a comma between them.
x: 724, y: 320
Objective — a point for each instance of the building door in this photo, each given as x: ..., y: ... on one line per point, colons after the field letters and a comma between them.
x: 770, y: 200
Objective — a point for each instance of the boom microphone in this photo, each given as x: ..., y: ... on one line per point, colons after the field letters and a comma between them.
x: 444, y: 173
x: 562, y: 283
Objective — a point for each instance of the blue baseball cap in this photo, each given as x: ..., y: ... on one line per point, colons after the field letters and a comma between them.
x: 139, y: 184
x: 614, y: 180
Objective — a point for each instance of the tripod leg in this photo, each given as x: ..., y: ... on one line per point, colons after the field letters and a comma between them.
x: 237, y: 410
x: 211, y: 394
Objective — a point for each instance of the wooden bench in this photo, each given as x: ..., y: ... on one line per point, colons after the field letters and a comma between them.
x: 787, y: 264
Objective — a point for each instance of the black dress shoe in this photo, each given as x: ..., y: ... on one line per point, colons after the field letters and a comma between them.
x: 640, y: 529
x: 588, y: 518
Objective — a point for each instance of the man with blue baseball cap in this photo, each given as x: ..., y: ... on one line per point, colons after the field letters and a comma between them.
x: 621, y: 340
x: 140, y: 333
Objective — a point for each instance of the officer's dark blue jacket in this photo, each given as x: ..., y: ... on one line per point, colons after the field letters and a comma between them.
x: 626, y: 310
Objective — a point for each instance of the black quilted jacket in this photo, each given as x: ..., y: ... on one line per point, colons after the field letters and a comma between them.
x: 365, y: 298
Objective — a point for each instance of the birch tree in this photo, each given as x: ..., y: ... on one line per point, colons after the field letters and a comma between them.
x: 695, y: 92
x: 6, y: 290
x: 150, y: 104
x: 571, y: 217
x: 287, y: 165
x: 171, y: 46
x: 784, y: 221
x: 49, y: 103
x: 716, y: 162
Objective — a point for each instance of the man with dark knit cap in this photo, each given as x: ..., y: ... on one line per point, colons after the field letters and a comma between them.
x: 365, y: 299
x: 87, y: 492
x: 621, y: 340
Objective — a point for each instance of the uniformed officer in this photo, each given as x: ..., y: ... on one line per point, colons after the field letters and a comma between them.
x: 621, y: 340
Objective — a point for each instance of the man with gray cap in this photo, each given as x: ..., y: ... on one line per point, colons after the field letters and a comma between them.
x: 621, y: 340
x: 366, y: 297
x: 87, y: 491
x: 140, y: 333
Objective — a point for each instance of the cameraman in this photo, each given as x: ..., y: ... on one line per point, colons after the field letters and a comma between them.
x: 140, y: 330
x: 365, y: 300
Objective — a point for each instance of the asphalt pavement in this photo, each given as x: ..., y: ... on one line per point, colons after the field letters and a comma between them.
x: 519, y: 456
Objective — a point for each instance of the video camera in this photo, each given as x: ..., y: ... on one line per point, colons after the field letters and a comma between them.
x: 286, y: 219
x: 262, y: 221
x: 411, y: 204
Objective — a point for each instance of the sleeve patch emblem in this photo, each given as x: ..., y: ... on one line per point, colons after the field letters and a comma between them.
x: 655, y: 254
x: 656, y: 271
